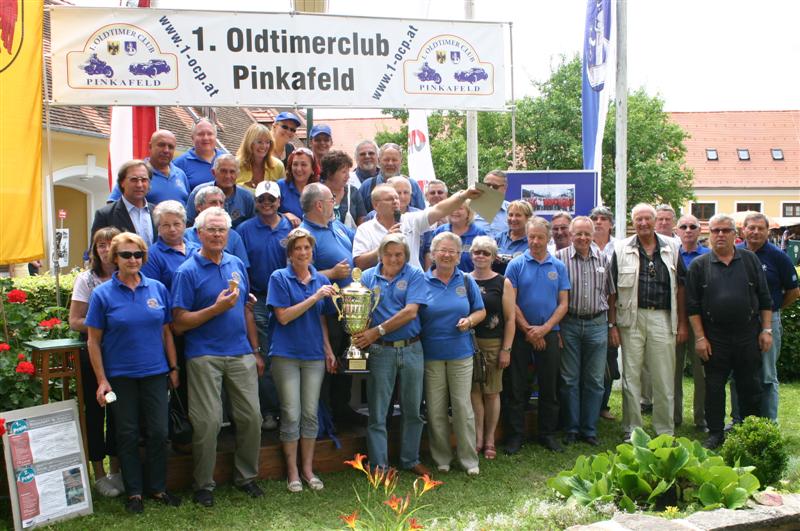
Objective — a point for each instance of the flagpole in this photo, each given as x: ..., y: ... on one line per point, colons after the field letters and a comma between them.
x: 513, y: 100
x: 472, y: 119
x: 54, y: 264
x: 621, y: 156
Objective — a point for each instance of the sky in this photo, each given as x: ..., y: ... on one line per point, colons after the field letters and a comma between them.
x: 698, y: 55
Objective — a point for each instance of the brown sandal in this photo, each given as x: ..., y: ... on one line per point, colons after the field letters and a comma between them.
x: 490, y: 452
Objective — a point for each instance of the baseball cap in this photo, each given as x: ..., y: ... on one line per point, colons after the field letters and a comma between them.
x: 288, y: 116
x: 268, y: 187
x: 321, y: 129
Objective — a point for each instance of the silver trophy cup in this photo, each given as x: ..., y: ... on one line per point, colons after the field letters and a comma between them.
x: 355, y: 305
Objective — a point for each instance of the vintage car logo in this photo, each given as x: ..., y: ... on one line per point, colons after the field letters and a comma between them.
x: 12, y: 33
x: 153, y: 303
x: 461, y: 291
x: 402, y: 285
x: 448, y: 64
x: 552, y: 275
x: 236, y: 276
x: 122, y: 56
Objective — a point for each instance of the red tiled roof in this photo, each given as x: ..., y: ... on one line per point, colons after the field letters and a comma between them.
x: 757, y: 131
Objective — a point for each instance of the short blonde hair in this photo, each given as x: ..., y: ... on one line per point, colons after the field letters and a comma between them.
x: 128, y: 237
x: 484, y: 243
x: 294, y: 236
x: 524, y: 207
x: 538, y: 222
x: 446, y: 235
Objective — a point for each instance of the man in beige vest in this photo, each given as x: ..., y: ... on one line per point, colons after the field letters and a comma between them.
x: 651, y: 316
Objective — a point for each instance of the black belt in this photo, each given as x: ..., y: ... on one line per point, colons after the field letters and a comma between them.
x: 587, y: 317
x: 399, y: 343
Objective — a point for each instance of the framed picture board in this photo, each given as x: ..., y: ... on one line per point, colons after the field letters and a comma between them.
x: 548, y: 192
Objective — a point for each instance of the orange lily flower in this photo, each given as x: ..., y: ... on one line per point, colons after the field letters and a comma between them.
x: 358, y: 462
x: 428, y: 483
x: 413, y: 524
x: 395, y: 503
x: 351, y: 519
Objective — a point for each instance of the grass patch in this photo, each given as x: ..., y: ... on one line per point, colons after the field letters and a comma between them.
x: 510, y: 492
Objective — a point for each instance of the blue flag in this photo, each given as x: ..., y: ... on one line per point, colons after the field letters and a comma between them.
x: 597, y: 68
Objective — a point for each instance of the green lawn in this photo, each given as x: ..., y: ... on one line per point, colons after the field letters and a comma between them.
x: 509, y: 493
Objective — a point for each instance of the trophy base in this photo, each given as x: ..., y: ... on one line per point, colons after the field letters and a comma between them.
x: 355, y: 361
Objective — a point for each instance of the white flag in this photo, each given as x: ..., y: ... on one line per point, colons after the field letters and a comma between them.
x: 420, y: 164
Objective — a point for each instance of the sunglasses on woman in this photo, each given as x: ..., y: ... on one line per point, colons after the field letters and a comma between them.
x: 125, y: 255
x: 481, y: 252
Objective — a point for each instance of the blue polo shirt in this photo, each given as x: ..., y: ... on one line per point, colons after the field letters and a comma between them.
x: 235, y: 245
x: 196, y: 285
x: 197, y: 170
x: 417, y: 197
x: 407, y: 287
x: 163, y: 260
x: 688, y: 256
x: 132, y: 322
x: 266, y: 249
x: 447, y: 303
x: 290, y: 198
x: 163, y: 187
x: 465, y: 264
x: 301, y: 338
x: 334, y: 244
x: 538, y: 285
x: 240, y: 206
x: 781, y: 274
x: 498, y: 225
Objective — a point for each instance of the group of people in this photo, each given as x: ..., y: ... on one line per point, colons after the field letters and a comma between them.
x: 240, y: 305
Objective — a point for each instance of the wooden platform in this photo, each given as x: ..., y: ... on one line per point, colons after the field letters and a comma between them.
x: 327, y: 457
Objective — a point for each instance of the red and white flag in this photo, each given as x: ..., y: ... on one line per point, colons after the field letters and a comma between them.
x: 420, y: 163
x: 131, y: 128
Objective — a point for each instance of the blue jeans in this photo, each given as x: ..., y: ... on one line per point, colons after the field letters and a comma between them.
x: 583, y: 363
x: 267, y: 393
x: 385, y: 364
x: 769, y: 376
x: 298, y: 382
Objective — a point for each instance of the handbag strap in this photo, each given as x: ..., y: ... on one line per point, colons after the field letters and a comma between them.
x: 177, y: 396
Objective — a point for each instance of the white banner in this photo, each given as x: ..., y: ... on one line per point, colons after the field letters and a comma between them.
x: 165, y: 57
x: 420, y: 164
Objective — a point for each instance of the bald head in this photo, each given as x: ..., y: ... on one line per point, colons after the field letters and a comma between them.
x: 162, y: 149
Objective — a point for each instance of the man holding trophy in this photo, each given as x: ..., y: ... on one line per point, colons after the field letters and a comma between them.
x: 394, y: 349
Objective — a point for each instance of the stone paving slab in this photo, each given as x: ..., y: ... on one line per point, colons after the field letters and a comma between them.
x: 755, y: 517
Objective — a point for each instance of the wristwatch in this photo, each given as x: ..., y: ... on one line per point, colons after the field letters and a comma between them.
x: 173, y: 369
x: 766, y: 331
x: 381, y: 330
x: 611, y: 325
x: 505, y: 349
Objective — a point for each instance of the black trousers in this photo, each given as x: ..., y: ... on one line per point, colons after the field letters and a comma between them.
x: 136, y: 396
x: 336, y: 387
x: 517, y: 390
x: 733, y: 349
x: 101, y: 441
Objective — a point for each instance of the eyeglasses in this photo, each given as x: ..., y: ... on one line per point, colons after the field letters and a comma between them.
x: 266, y: 198
x: 131, y: 254
x: 494, y: 186
x: 436, y: 192
x: 367, y: 154
x: 688, y: 227
x: 447, y: 252
x: 725, y: 230
x: 214, y: 230
x: 288, y: 128
x: 481, y: 252
x: 136, y: 180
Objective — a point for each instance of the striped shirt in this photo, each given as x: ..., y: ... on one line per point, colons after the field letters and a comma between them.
x: 590, y: 279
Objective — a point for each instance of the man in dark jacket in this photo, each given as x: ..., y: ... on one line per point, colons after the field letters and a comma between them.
x: 131, y: 212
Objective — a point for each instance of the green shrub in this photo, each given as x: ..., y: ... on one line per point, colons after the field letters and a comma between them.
x: 757, y: 442
x: 789, y: 360
x: 656, y: 474
x: 41, y: 290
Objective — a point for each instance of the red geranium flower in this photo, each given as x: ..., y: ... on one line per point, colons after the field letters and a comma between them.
x: 50, y: 323
x: 17, y: 296
x: 25, y: 367
x: 4, y: 346
x: 20, y: 356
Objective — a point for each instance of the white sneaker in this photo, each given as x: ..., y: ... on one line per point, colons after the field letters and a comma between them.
x: 269, y: 423
x: 443, y: 468
x: 105, y: 487
x: 474, y: 471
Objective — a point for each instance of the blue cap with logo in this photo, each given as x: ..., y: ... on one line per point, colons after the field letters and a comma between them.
x: 288, y: 116
x: 321, y: 129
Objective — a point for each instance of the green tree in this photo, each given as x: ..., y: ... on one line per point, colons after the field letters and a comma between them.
x: 549, y: 138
